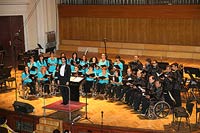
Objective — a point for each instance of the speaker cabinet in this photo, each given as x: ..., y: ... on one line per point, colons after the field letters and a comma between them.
x: 23, y: 107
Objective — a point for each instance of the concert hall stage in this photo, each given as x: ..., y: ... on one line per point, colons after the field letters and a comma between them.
x: 117, y: 116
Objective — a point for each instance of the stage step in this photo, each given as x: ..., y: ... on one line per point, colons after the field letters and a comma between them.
x: 50, y: 121
x: 38, y: 131
x: 47, y: 125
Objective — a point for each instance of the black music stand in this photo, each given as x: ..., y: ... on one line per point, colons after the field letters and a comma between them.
x: 196, y: 71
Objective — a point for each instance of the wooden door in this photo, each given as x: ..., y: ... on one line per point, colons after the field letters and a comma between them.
x: 11, y: 37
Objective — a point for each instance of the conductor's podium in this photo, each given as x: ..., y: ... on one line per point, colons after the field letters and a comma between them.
x: 74, y: 87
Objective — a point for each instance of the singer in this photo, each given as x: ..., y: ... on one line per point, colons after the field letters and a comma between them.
x: 64, y: 79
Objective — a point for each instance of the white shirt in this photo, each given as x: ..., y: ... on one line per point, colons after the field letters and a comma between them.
x: 62, y: 70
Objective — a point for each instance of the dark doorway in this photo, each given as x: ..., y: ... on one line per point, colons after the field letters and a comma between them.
x: 11, y: 38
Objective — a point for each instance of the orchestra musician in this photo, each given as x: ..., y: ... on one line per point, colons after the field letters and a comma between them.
x: 27, y: 80
x: 64, y: 75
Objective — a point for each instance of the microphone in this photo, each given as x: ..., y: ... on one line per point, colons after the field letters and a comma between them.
x: 76, y: 118
x: 105, y: 39
x: 101, y: 114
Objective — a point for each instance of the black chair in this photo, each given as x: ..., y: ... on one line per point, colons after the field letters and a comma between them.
x: 194, y: 83
x: 184, y: 90
x: 197, y: 111
x: 181, y: 112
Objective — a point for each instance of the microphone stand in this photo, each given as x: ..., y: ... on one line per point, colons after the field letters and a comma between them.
x: 86, y: 111
x: 14, y: 51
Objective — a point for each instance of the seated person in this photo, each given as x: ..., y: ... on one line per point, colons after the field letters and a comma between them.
x: 155, y: 94
x: 127, y: 83
x: 90, y: 79
x: 103, y: 80
x: 115, y: 85
x: 43, y: 78
x: 27, y: 80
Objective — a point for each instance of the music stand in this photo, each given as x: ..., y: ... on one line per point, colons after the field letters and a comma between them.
x: 196, y: 72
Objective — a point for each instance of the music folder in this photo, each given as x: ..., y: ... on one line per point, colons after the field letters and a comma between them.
x: 76, y: 73
x: 102, y: 77
x: 31, y: 75
x: 90, y: 75
x: 76, y: 79
x: 117, y: 66
x: 47, y: 75
x: 33, y: 68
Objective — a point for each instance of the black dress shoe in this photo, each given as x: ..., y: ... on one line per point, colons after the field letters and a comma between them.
x: 64, y: 103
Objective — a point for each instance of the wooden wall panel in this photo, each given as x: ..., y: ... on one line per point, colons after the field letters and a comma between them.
x: 137, y: 30
x: 130, y: 11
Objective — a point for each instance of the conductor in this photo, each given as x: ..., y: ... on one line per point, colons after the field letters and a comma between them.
x: 64, y: 73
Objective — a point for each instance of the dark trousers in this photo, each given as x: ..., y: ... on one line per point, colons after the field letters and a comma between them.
x: 111, y: 91
x: 101, y: 88
x: 137, y: 100
x: 145, y: 104
x: 45, y: 85
x: 32, y: 87
x: 64, y: 90
x: 177, y: 96
x: 168, y: 99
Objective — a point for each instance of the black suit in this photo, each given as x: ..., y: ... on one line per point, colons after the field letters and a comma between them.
x: 63, y: 80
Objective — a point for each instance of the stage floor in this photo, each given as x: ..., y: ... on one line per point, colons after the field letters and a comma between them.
x: 114, y: 113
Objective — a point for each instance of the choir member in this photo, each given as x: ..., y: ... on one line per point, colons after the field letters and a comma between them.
x: 52, y: 63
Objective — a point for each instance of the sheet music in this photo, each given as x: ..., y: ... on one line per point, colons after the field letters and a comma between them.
x: 76, y: 79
